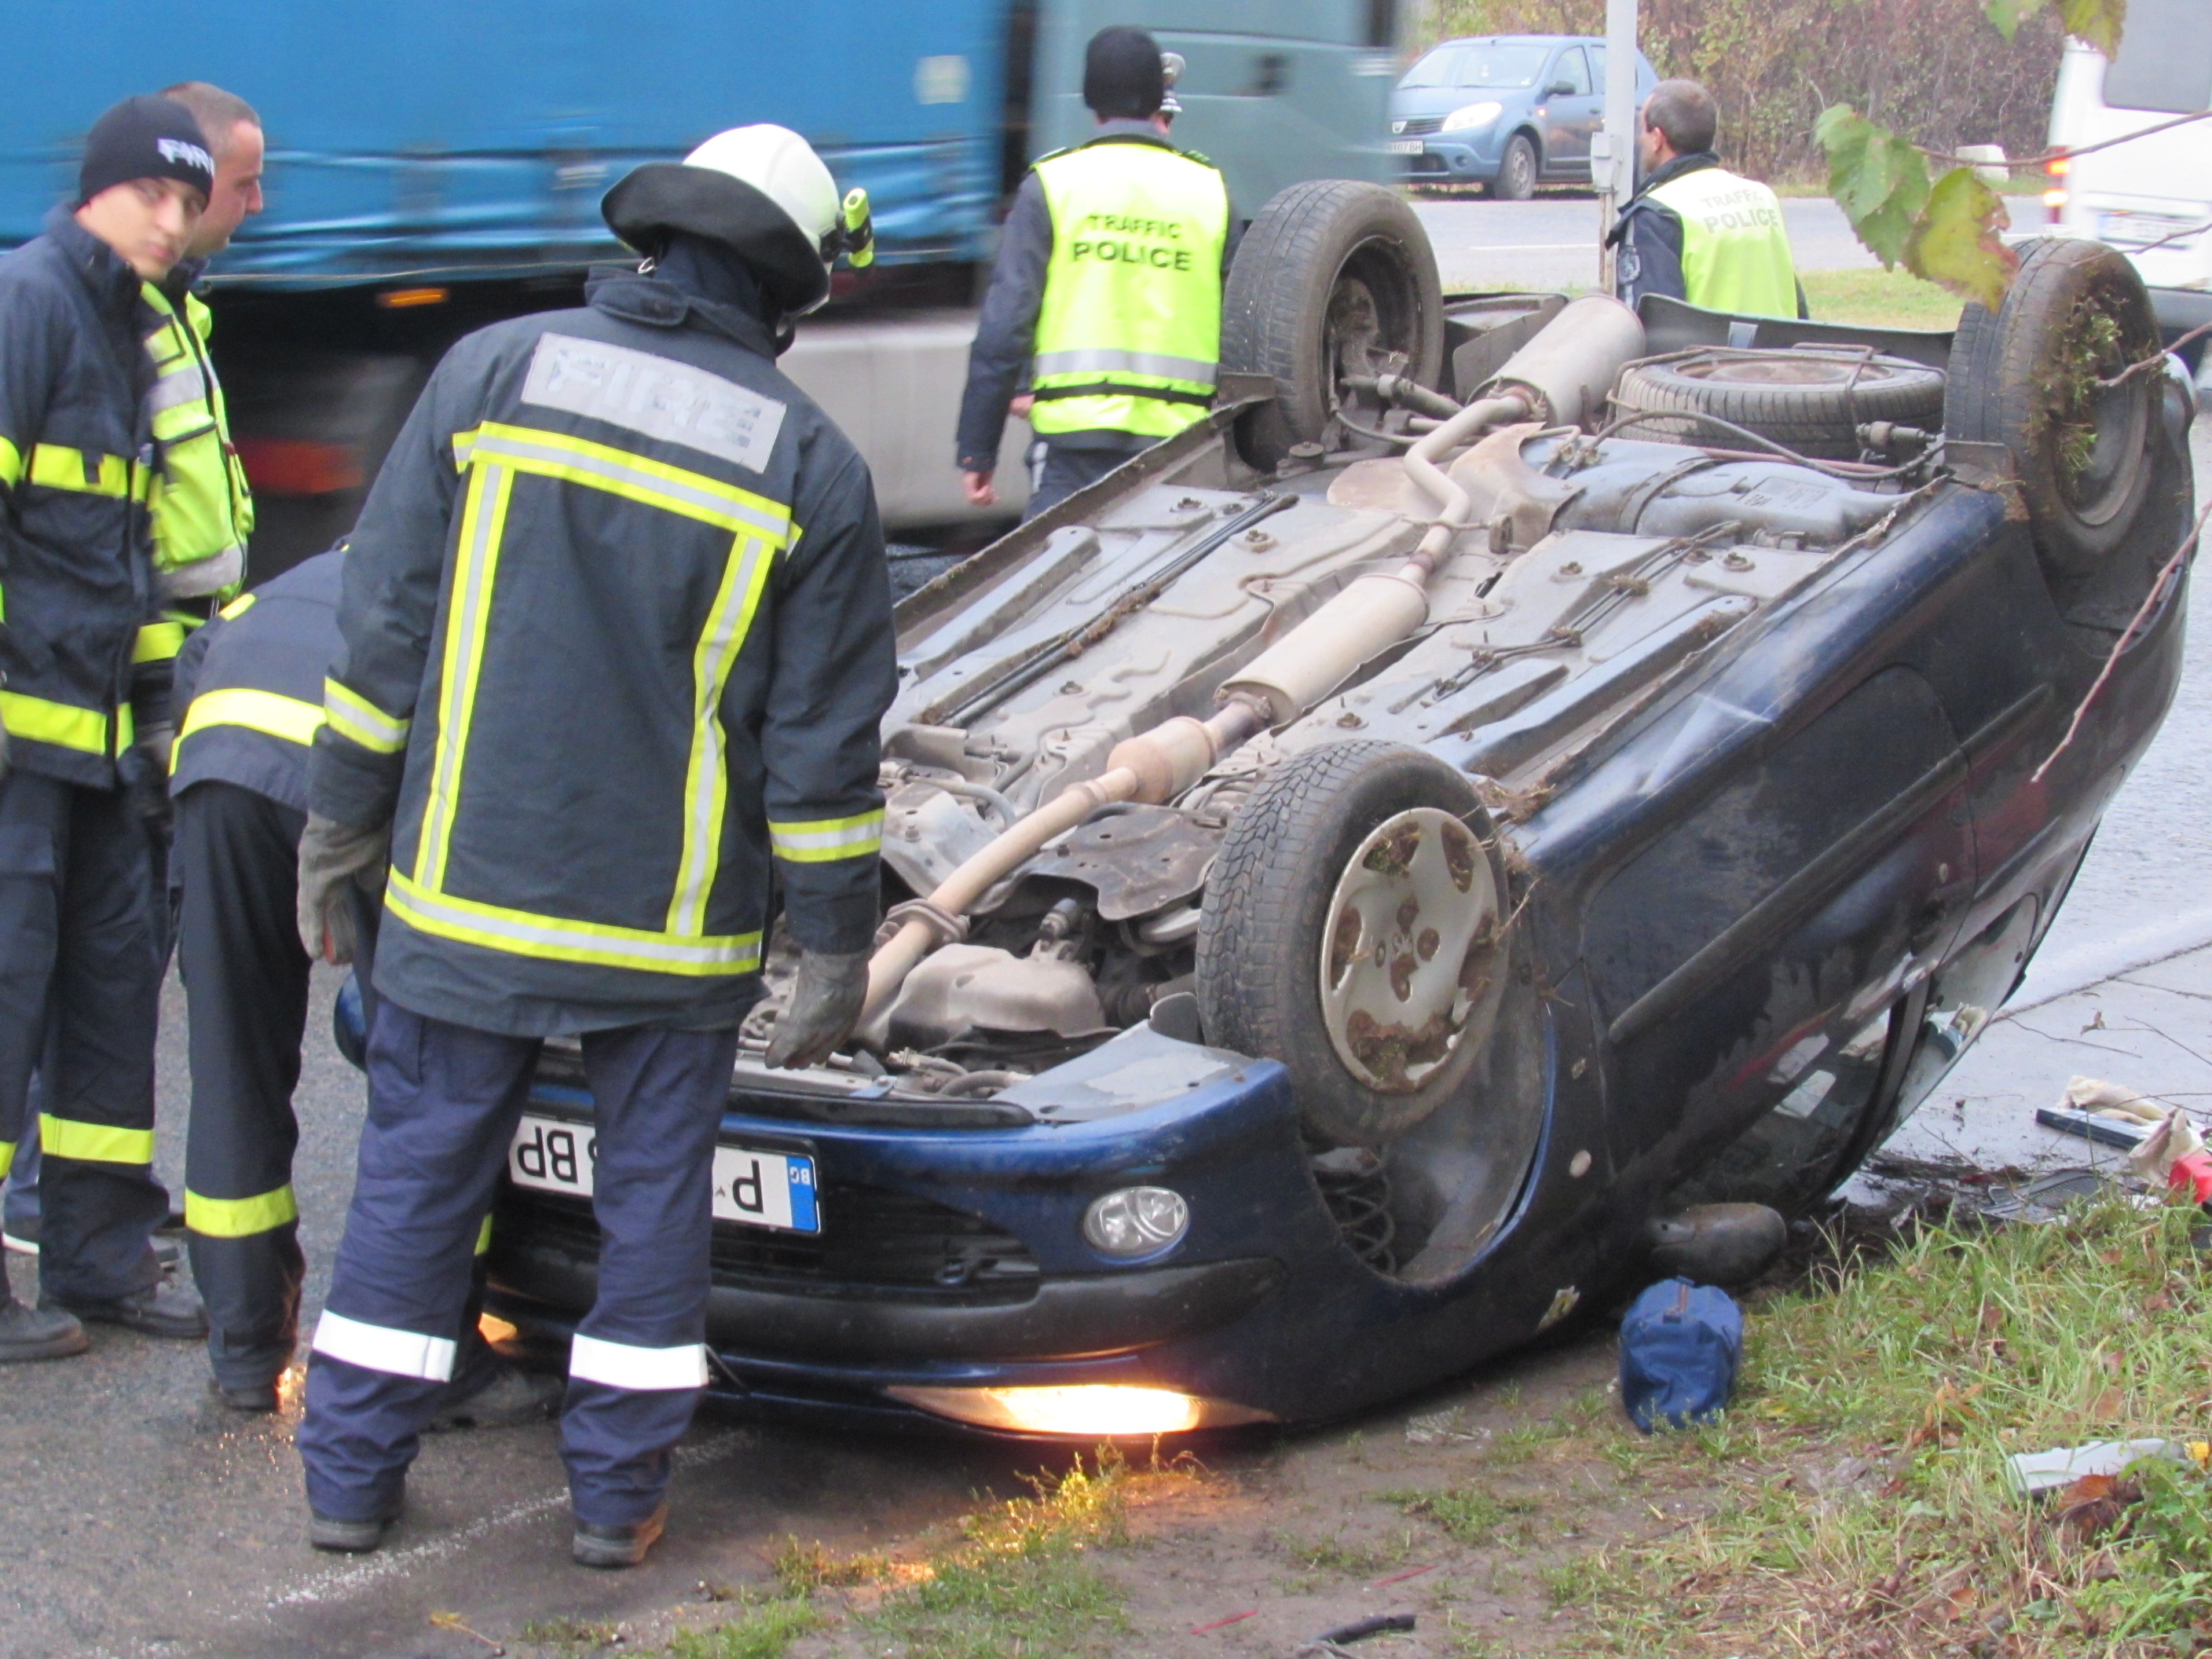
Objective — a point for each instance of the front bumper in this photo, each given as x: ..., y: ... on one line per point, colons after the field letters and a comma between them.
x: 1455, y: 158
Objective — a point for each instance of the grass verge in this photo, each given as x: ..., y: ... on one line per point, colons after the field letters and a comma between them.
x: 1866, y: 1509
x: 1879, y: 298
x: 1016, y: 1581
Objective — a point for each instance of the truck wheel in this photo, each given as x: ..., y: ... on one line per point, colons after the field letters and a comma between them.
x: 1517, y: 170
x: 2028, y: 376
x: 1354, y: 929
x: 1812, y: 402
x: 1334, y: 278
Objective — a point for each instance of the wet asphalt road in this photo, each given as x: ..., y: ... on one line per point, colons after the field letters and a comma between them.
x: 136, y: 1518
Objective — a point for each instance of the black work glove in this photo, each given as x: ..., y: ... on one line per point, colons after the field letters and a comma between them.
x: 823, y: 1006
x: 331, y: 854
x: 143, y: 770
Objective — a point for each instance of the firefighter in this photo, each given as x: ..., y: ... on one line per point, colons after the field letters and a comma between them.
x: 248, y: 701
x: 1108, y: 276
x: 616, y: 642
x: 79, y: 936
x: 1693, y: 230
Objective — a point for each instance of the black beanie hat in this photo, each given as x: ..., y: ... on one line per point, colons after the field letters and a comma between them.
x: 145, y: 137
x: 1122, y: 79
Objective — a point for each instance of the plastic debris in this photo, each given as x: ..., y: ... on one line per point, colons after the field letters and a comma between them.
x: 1679, y: 1346
x: 1333, y: 1641
x: 1233, y: 1618
x: 1441, y: 1428
x: 2030, y: 1473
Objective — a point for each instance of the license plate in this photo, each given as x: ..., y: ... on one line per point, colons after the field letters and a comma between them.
x: 1405, y: 147
x: 753, y: 1187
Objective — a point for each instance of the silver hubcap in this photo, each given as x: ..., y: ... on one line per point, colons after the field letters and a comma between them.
x: 1410, y: 949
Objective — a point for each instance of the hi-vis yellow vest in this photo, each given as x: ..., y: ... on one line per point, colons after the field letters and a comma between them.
x: 1735, y: 251
x: 1128, y: 339
x: 202, y: 510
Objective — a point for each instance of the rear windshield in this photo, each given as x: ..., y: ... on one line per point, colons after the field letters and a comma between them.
x: 1478, y: 65
x: 2166, y: 59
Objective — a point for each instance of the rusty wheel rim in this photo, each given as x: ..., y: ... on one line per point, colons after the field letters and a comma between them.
x: 1409, y: 948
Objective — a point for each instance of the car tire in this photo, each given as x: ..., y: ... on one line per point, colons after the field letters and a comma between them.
x: 1517, y: 170
x: 1332, y: 269
x: 1812, y: 402
x: 2086, y: 457
x: 1271, y: 935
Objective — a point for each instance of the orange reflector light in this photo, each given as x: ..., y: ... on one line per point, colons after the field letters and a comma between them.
x: 494, y: 1329
x: 2054, y: 198
x: 399, y: 298
x: 297, y: 466
x: 1093, y: 1409
x: 2059, y: 167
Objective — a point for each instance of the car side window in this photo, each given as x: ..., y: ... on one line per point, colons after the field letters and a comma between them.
x: 1573, y: 71
x: 1596, y: 68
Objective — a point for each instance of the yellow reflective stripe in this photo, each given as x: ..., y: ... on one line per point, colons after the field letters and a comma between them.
x: 519, y: 932
x: 57, y: 467
x: 11, y: 464
x: 157, y: 642
x: 357, y: 720
x: 7, y: 1157
x: 57, y: 723
x: 240, y: 1218
x: 238, y: 607
x: 126, y: 728
x: 467, y: 622
x: 483, y: 1236
x: 93, y: 1143
x: 599, y: 466
x: 261, y: 711
x: 824, y: 840
x: 705, y: 783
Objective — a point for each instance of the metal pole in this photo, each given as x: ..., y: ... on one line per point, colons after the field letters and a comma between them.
x: 1613, y: 150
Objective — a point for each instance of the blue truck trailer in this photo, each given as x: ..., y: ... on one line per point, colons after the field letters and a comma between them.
x: 433, y: 168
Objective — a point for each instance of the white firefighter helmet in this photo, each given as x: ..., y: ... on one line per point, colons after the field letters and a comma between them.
x: 760, y: 191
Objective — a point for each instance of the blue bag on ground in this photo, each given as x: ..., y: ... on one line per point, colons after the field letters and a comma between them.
x: 1680, y: 1347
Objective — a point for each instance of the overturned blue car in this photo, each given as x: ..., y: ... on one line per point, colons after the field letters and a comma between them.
x: 1518, y: 769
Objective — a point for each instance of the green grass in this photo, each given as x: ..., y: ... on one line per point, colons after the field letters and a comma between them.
x: 569, y: 1636
x: 1880, y: 298
x: 1929, y: 1370
x: 765, y: 1630
x: 1469, y: 1516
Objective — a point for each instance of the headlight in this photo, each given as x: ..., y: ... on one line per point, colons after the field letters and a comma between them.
x: 1136, y: 1220
x: 1085, y: 1409
x: 1472, y: 118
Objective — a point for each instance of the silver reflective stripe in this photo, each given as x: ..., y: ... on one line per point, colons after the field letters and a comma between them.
x: 176, y: 388
x: 1099, y: 361
x: 580, y: 941
x: 676, y: 403
x: 617, y: 1364
x: 379, y: 1348
x: 706, y: 787
x: 633, y: 482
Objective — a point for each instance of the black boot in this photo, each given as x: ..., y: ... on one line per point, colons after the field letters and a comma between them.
x: 37, y: 1333
x: 157, y: 1311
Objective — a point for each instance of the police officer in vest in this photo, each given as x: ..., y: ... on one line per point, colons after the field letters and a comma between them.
x: 616, y: 642
x: 1693, y: 230
x: 1108, y: 276
x: 249, y: 701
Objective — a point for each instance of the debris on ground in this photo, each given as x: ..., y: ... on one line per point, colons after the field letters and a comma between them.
x: 1443, y: 1428
x: 2031, y: 1472
x: 1334, y: 1641
x: 1681, y: 1345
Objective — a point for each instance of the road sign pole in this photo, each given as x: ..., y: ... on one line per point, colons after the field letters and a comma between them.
x: 1612, y: 149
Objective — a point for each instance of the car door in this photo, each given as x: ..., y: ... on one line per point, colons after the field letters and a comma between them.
x: 1569, y: 114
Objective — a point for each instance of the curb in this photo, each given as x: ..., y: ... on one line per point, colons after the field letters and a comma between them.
x: 2050, y: 977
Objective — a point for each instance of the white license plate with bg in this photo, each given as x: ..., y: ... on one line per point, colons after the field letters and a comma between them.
x: 755, y: 1186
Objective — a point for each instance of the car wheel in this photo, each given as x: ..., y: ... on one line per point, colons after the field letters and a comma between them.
x: 1355, y: 929
x: 2030, y: 375
x: 1336, y: 278
x: 1517, y: 171
x: 1812, y: 402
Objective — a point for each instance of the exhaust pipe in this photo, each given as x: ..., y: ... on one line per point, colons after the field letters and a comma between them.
x: 1563, y: 375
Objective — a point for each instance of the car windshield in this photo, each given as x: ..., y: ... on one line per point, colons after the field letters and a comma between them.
x: 1477, y: 63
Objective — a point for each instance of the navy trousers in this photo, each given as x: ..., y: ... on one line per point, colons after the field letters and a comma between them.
x: 80, y: 952
x: 443, y: 1103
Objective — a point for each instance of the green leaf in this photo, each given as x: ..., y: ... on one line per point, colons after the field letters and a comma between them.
x: 1878, y: 179
x: 1954, y: 239
x: 2097, y: 21
x: 2006, y: 13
